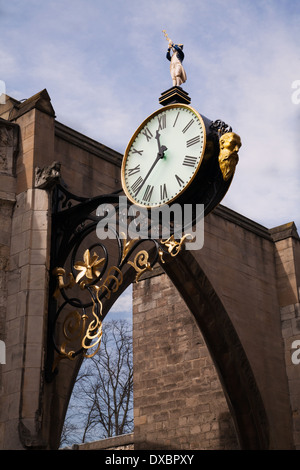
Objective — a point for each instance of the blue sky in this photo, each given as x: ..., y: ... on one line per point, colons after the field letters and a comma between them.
x: 103, y: 63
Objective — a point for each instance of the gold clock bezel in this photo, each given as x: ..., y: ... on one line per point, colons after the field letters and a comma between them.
x: 142, y: 125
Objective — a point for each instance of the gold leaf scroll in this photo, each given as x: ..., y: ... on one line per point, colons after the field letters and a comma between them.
x: 73, y: 329
x: 111, y: 278
x: 93, y: 335
x: 59, y: 273
x: 174, y: 247
x: 141, y: 263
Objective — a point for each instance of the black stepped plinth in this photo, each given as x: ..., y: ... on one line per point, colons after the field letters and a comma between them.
x: 174, y: 95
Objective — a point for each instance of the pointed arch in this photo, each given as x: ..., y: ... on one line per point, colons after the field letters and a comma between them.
x: 224, y: 345
x: 230, y: 360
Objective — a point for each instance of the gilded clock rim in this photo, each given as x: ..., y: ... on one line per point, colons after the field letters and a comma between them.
x: 141, y: 126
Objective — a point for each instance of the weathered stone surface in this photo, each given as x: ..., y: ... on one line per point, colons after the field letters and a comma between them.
x: 179, y: 402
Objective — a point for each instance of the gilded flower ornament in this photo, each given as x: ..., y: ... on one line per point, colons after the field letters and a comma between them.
x: 89, y: 267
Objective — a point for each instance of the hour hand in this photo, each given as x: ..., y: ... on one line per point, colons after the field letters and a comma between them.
x: 161, y: 148
x: 157, y: 136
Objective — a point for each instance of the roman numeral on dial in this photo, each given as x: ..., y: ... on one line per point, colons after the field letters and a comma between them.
x: 133, y: 171
x: 163, y: 192
x: 148, y: 193
x: 135, y: 186
x: 147, y: 133
x: 193, y: 141
x: 162, y: 122
x: 137, y: 151
x: 179, y: 180
x: 189, y: 161
x: 188, y: 126
x: 176, y: 119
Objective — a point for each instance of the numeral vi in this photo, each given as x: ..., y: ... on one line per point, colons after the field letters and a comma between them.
x: 163, y: 192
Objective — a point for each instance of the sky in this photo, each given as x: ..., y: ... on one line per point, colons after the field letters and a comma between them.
x: 104, y: 66
x: 122, y: 308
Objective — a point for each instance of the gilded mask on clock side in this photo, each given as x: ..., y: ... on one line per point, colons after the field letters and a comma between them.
x: 228, y: 156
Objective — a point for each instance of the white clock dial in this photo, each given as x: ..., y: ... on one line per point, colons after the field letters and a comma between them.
x: 163, y: 156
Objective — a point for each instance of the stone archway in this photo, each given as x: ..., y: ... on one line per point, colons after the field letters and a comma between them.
x: 224, y: 345
x: 237, y: 379
x: 58, y: 392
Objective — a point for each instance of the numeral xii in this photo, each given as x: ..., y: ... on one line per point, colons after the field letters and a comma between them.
x: 162, y: 122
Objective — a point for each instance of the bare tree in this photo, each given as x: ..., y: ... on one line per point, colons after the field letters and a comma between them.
x: 102, y: 401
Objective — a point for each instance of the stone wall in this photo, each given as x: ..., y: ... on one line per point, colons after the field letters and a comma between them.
x: 31, y: 139
x: 179, y: 402
x: 26, y: 321
x: 238, y: 258
x: 9, y: 146
x: 122, y: 442
x: 27, y: 285
x: 287, y: 245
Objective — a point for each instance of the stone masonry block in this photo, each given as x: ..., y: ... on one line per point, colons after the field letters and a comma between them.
x: 37, y: 277
x: 39, y: 239
x: 40, y: 220
x: 24, y: 257
x: 41, y: 200
x: 38, y: 256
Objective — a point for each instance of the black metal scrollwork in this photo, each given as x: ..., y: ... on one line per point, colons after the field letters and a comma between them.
x: 85, y: 271
x: 220, y: 126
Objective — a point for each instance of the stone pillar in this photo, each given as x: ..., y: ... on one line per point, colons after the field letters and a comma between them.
x: 26, y: 307
x: 9, y: 145
x: 28, y: 231
x: 287, y: 246
x: 178, y: 399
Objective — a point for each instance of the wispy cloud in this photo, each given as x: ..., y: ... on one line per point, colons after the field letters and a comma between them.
x: 104, y: 66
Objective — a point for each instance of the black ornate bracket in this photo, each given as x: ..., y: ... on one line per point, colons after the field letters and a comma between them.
x: 86, y: 270
x: 220, y: 126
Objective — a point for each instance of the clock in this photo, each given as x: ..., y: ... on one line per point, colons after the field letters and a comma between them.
x: 164, y: 156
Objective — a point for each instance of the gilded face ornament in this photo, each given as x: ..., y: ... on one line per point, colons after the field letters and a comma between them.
x: 228, y: 157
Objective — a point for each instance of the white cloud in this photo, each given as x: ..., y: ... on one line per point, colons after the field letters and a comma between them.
x: 104, y: 66
x: 7, y: 64
x: 250, y: 88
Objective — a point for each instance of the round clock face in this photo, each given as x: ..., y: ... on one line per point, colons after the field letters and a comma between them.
x: 163, y: 156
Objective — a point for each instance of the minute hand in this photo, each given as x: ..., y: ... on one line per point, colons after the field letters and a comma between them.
x: 160, y: 155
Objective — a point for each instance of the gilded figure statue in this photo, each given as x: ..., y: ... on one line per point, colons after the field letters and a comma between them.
x: 176, y: 58
x: 176, y: 68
